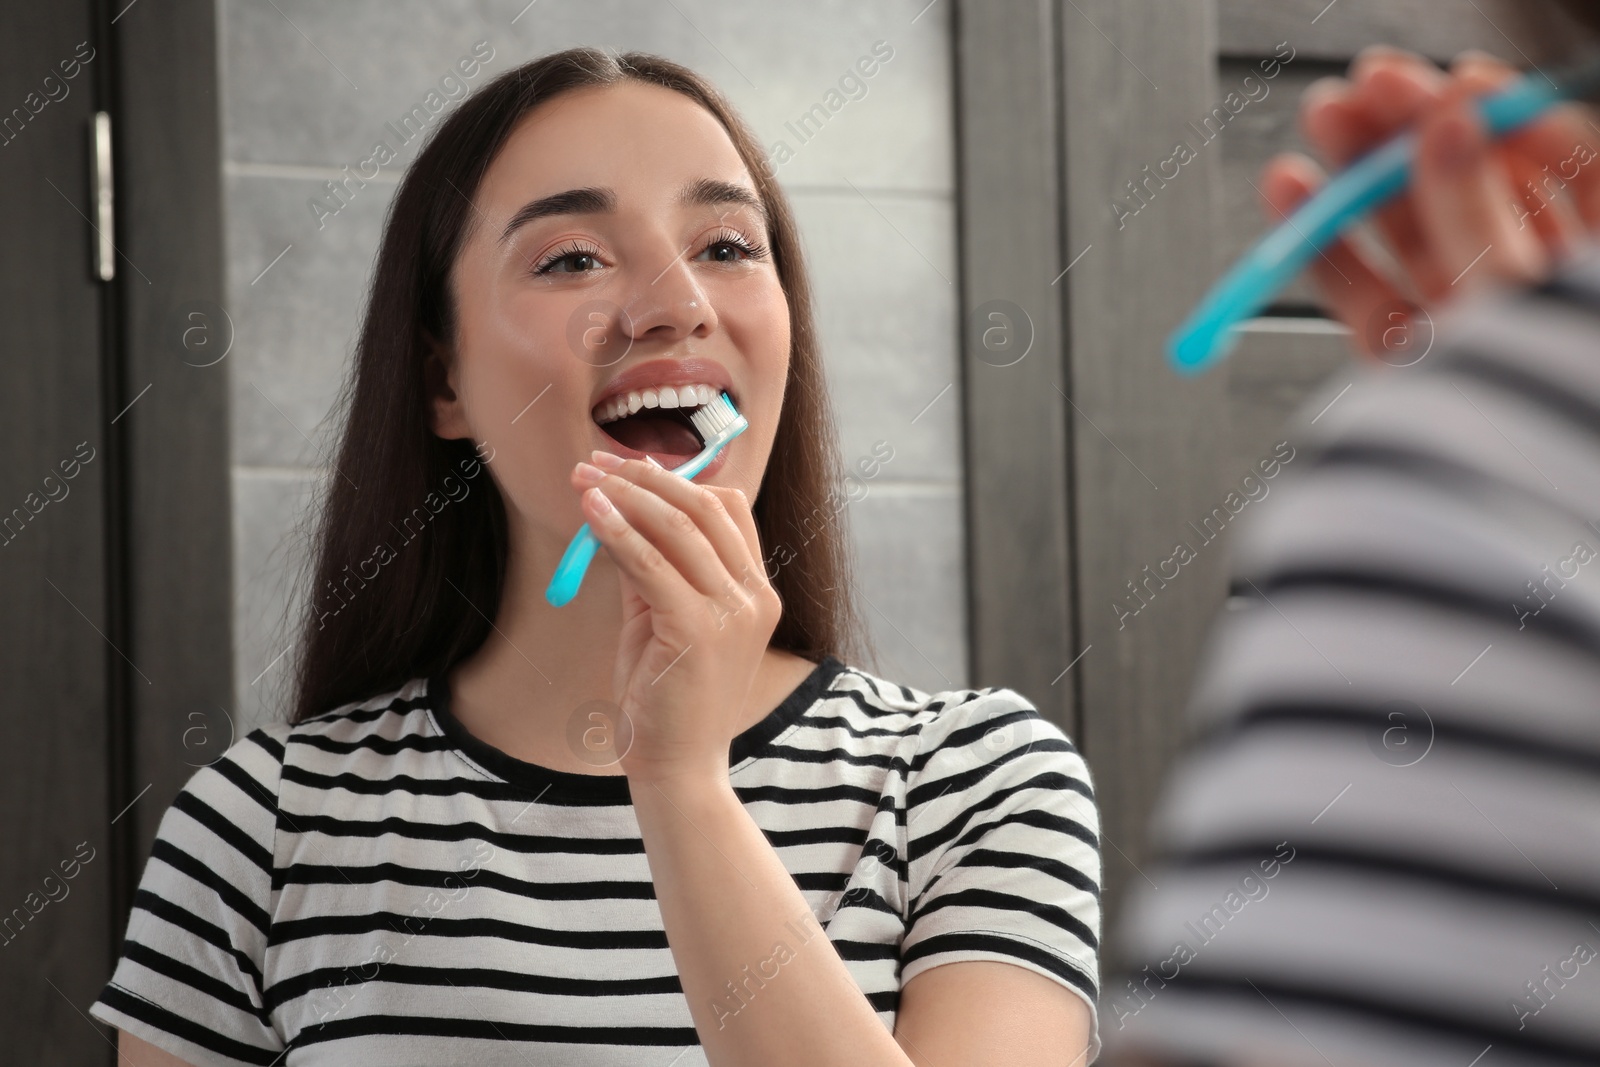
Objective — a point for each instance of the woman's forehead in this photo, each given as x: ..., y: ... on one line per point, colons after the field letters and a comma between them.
x: 642, y: 141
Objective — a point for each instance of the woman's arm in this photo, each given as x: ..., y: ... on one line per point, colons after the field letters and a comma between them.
x: 135, y: 1052
x: 984, y: 1012
x: 766, y: 985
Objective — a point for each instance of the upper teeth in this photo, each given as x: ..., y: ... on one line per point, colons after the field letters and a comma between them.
x: 664, y: 396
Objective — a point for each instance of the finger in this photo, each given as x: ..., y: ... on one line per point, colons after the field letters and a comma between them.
x: 755, y: 580
x: 688, y: 526
x: 1403, y: 232
x: 1391, y: 91
x: 1562, y: 148
x: 1346, y: 119
x: 1461, y: 188
x: 1543, y: 160
x: 1484, y: 72
x: 737, y: 506
x: 654, y: 578
x: 1355, y: 292
x: 1565, y: 144
x: 1540, y: 205
x: 716, y: 509
x: 1390, y: 85
x: 1327, y: 123
x: 1557, y: 148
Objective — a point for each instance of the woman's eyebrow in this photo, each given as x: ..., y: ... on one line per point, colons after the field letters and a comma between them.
x: 592, y: 200
x: 711, y: 192
x: 588, y: 201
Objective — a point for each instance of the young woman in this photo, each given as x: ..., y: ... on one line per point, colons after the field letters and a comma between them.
x: 666, y: 822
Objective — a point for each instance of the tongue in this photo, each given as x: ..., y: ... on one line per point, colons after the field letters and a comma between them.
x: 656, y: 432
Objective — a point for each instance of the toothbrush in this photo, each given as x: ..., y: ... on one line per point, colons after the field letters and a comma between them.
x: 1207, y: 335
x: 717, y: 423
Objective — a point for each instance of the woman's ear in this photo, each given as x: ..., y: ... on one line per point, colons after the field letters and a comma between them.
x: 440, y: 375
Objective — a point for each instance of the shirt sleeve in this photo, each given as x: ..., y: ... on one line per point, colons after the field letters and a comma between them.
x: 189, y: 979
x: 1002, y: 846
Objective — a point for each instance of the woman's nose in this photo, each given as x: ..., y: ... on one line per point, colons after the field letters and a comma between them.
x: 670, y: 304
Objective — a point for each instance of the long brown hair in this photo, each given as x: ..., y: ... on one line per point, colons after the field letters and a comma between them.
x: 362, y: 637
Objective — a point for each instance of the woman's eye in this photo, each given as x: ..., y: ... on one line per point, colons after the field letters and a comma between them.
x: 728, y: 248
x: 725, y: 252
x: 580, y: 261
x: 569, y: 261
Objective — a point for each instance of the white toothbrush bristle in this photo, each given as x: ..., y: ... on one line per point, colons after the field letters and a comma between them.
x: 714, y: 417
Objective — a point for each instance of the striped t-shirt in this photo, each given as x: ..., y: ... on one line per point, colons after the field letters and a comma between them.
x: 1384, y: 847
x: 377, y: 886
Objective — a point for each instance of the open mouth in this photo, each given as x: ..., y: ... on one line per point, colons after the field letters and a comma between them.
x: 655, y: 421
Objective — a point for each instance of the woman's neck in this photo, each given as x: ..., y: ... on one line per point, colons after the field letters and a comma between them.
x: 540, y: 663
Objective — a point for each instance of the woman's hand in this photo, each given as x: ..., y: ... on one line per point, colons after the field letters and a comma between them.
x: 697, y: 613
x: 1475, y: 211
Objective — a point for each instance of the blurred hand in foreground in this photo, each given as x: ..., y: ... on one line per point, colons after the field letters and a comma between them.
x: 1476, y: 211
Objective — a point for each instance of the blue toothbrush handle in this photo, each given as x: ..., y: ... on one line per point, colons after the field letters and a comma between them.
x: 1269, y: 266
x: 574, y: 562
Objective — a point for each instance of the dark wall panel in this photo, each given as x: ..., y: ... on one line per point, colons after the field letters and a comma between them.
x: 56, y: 630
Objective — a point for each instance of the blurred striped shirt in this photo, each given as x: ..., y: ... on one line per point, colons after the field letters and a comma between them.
x: 1384, y: 844
x: 377, y: 886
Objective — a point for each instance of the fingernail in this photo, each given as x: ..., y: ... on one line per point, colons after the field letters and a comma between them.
x: 589, y: 474
x: 653, y: 460
x: 602, y: 504
x: 1478, y: 57
x: 607, y: 459
x: 1364, y: 58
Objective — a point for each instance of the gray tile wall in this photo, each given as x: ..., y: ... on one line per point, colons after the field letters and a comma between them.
x: 308, y: 88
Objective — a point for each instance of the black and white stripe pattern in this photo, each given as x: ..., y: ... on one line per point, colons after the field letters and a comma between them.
x: 376, y: 886
x: 1404, y: 699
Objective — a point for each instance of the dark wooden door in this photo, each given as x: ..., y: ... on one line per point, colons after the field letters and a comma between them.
x: 115, y: 639
x: 57, y: 629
